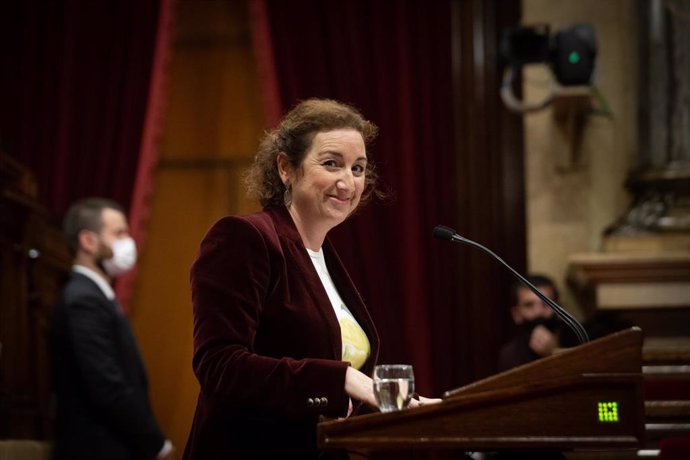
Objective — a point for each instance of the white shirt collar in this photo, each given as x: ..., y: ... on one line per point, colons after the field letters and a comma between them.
x: 316, y: 254
x: 101, y: 282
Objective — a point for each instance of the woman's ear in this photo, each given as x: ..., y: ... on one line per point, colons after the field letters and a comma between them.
x: 284, y: 167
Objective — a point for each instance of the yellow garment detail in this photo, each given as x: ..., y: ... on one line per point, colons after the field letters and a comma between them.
x: 356, y: 347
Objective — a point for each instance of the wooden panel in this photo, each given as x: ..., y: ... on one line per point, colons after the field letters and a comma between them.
x: 34, y: 262
x: 552, y: 403
x: 562, y: 415
x: 623, y: 355
x: 491, y: 190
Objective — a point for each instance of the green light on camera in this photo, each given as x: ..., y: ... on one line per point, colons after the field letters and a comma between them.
x: 574, y: 57
x: 608, y: 412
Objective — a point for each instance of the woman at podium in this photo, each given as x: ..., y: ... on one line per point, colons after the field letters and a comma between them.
x: 281, y: 335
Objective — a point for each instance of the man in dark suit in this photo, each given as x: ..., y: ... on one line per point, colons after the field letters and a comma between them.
x: 100, y: 383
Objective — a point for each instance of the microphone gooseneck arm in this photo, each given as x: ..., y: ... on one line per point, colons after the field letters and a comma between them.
x: 446, y: 233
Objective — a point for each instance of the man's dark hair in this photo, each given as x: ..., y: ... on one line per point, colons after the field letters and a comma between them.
x: 85, y: 214
x: 539, y: 281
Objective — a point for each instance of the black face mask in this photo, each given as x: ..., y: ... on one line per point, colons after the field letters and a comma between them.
x: 551, y: 324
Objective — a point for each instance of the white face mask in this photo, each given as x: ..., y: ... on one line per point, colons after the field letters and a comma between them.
x: 124, y: 257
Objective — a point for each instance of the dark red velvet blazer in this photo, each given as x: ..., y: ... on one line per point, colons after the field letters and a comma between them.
x: 267, y: 344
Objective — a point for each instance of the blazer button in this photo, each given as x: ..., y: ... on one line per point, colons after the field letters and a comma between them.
x: 310, y: 402
x: 324, y: 402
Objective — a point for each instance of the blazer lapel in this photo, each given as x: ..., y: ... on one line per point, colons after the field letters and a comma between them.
x: 296, y: 251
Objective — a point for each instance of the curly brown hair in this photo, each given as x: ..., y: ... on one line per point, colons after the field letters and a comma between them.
x: 294, y: 135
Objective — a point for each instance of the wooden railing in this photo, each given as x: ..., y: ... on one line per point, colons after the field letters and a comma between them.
x: 667, y: 394
x: 33, y: 263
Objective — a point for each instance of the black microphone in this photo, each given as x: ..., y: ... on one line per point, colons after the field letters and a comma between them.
x: 446, y: 233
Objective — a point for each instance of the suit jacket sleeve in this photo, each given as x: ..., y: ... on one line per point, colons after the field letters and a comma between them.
x: 234, y: 275
x: 94, y: 335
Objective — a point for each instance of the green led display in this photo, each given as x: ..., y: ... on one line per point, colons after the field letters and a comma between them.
x: 608, y: 412
x: 574, y: 57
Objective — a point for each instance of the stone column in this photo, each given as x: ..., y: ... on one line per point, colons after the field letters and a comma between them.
x: 661, y: 183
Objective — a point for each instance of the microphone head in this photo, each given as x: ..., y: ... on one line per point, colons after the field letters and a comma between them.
x: 442, y: 232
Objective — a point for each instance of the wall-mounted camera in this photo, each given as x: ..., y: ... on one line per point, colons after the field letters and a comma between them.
x: 569, y: 53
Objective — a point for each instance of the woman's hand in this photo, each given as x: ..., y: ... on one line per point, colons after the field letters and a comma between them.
x: 422, y: 401
x: 360, y: 387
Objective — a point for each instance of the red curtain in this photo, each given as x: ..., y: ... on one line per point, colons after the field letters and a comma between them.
x: 154, y: 122
x: 74, y: 91
x: 83, y: 96
x: 393, y: 61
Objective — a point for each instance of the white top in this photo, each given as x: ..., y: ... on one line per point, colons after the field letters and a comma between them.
x: 356, y: 346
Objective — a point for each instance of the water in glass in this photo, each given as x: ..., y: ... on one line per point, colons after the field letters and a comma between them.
x: 393, y: 386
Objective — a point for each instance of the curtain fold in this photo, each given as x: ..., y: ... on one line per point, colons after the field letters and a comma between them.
x: 266, y: 65
x: 154, y: 122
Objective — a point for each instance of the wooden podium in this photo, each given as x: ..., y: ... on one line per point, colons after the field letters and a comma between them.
x: 587, y: 397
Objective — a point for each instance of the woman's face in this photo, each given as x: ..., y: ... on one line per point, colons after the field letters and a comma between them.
x: 329, y: 184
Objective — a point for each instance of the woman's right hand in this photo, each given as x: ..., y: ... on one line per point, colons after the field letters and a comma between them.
x: 422, y: 401
x: 360, y: 387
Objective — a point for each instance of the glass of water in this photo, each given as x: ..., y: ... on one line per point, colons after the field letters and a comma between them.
x: 393, y: 386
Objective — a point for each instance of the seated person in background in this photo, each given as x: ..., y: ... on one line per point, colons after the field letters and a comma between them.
x: 539, y: 328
